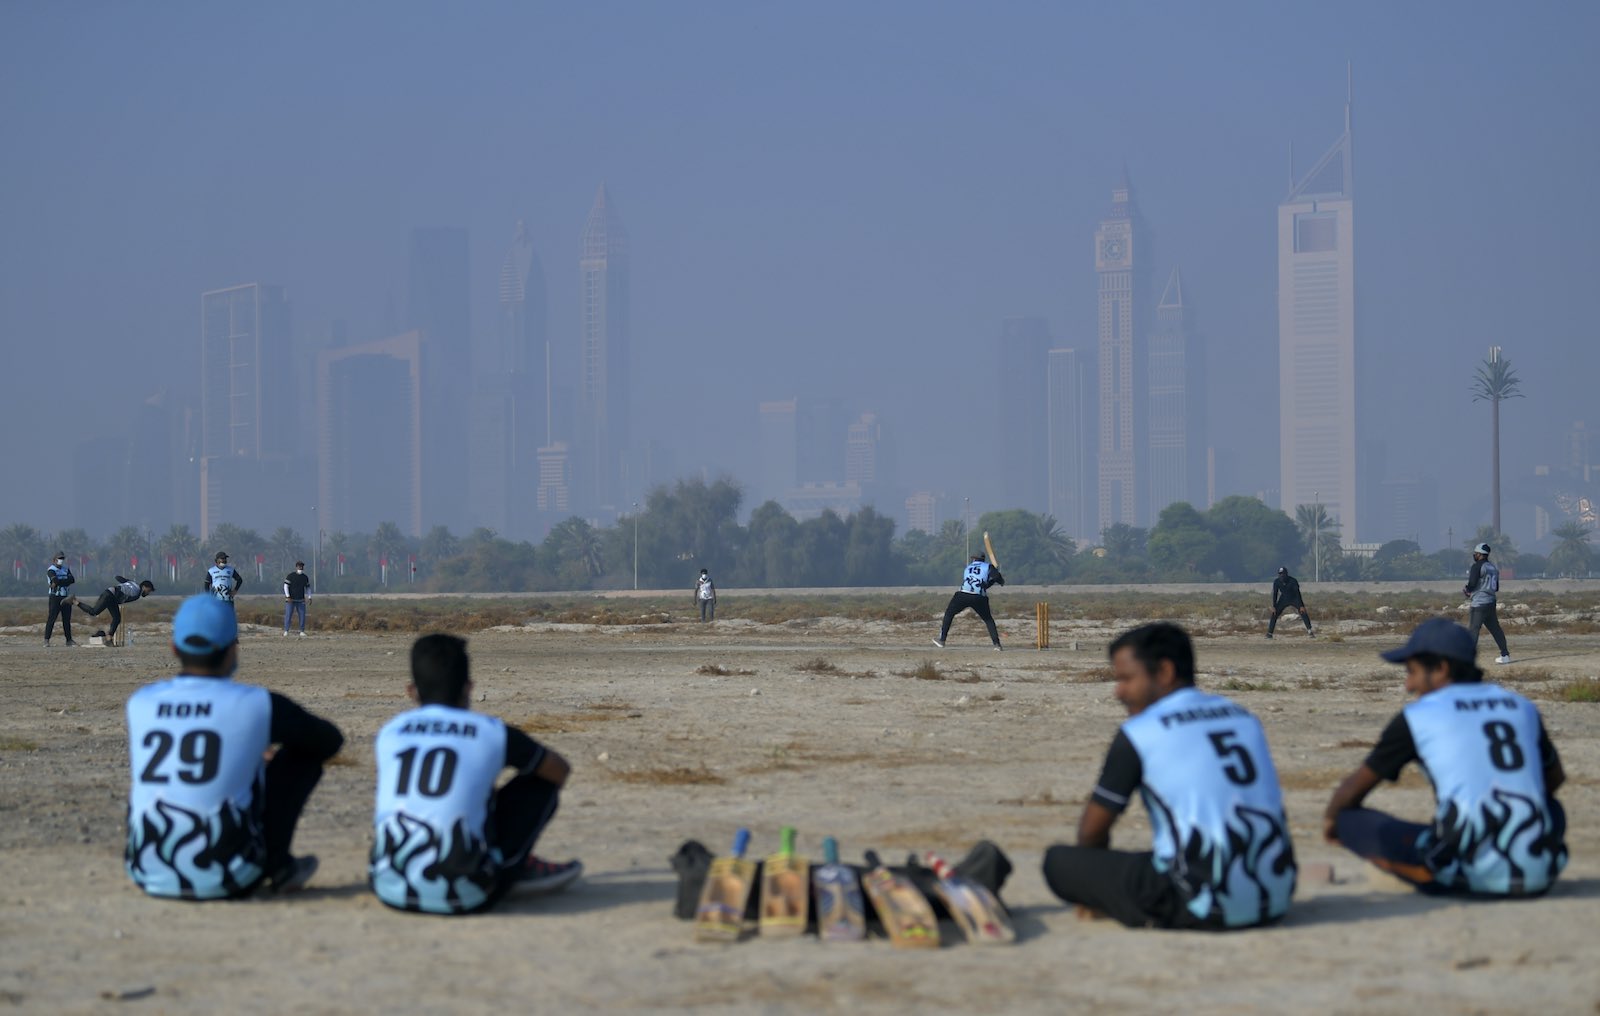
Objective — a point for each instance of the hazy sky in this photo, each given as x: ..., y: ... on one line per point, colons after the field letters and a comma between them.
x: 827, y: 198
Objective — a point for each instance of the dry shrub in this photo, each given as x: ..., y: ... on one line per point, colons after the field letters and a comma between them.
x: 1524, y: 675
x: 1095, y: 675
x: 1043, y: 799
x: 1578, y: 691
x: 582, y: 719
x: 1354, y: 742
x: 1240, y: 684
x: 818, y: 665
x: 928, y: 670
x: 10, y: 742
x: 716, y: 670
x: 669, y: 776
x: 342, y: 759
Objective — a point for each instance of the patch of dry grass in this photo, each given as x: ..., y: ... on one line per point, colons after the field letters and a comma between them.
x: 669, y: 776
x: 717, y: 670
x: 1043, y: 799
x: 580, y: 719
x: 1095, y: 675
x: 928, y: 670
x: 11, y: 742
x: 818, y: 665
x: 1577, y: 691
x: 1240, y: 684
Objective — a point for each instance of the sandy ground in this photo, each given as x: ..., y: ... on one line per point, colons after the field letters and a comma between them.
x: 1004, y: 746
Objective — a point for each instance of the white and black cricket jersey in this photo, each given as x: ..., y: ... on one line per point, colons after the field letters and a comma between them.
x: 1201, y: 764
x: 433, y: 848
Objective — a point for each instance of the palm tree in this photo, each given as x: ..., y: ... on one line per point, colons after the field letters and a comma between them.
x: 25, y: 545
x: 1320, y: 532
x: 124, y: 545
x: 439, y: 544
x: 1059, y: 545
x: 577, y: 541
x: 1494, y: 382
x: 1572, y: 555
x: 1123, y: 542
x: 388, y: 543
x: 286, y: 545
x: 182, y: 546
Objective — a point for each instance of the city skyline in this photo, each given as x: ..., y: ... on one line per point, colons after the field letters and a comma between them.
x: 853, y: 235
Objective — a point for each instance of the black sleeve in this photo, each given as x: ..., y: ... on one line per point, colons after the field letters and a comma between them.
x: 1394, y: 749
x: 296, y: 729
x: 1474, y: 576
x: 1121, y: 776
x: 995, y: 578
x: 1547, y: 750
x: 120, y: 579
x: 523, y: 753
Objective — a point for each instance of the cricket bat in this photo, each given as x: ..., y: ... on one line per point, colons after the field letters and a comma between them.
x: 785, y: 890
x: 906, y: 914
x: 990, y: 548
x: 841, y: 917
x: 977, y: 912
x: 720, y: 916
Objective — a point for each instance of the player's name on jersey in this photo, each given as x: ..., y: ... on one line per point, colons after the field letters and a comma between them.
x: 447, y: 727
x: 183, y: 710
x: 1204, y: 713
x: 1476, y: 705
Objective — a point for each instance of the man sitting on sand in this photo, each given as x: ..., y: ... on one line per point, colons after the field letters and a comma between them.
x: 208, y: 817
x: 1498, y: 829
x: 1222, y: 857
x: 447, y: 842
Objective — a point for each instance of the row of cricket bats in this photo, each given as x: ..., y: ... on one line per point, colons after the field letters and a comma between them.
x: 785, y: 899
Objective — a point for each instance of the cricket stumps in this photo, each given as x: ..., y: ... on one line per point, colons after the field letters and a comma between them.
x: 1041, y: 624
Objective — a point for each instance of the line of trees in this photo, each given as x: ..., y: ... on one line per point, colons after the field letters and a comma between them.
x: 694, y: 524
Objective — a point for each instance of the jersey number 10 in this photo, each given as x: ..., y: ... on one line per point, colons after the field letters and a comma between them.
x: 434, y: 775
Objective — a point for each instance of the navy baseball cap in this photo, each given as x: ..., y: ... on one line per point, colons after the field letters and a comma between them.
x: 204, y: 624
x: 1439, y: 636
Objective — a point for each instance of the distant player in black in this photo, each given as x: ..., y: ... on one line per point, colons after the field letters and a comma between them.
x: 60, y: 603
x: 1286, y: 594
x: 974, y: 594
x: 125, y: 591
x: 296, y: 593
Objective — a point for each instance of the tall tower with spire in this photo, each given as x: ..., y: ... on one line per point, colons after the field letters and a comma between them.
x: 1121, y: 259
x: 604, y: 440
x: 1177, y: 435
x: 1317, y: 337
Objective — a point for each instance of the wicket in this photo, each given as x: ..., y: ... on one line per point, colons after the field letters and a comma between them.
x: 1041, y: 624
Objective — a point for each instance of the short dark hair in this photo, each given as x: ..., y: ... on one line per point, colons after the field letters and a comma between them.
x: 439, y: 669
x: 1152, y: 643
x: 208, y: 664
x: 1461, y: 671
x: 299, y: 564
x: 147, y: 584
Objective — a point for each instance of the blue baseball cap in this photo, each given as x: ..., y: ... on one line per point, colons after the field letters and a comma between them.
x: 1439, y: 636
x: 204, y: 624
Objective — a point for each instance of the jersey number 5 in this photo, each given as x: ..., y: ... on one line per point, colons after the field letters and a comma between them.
x: 1241, y: 768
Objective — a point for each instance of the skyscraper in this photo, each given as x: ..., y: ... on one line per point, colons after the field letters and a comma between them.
x: 777, y: 434
x: 510, y: 401
x: 604, y: 439
x: 1022, y: 414
x: 371, y: 466
x: 438, y: 309
x: 1317, y: 338
x: 1068, y: 444
x: 1121, y: 258
x: 247, y: 404
x: 1177, y: 434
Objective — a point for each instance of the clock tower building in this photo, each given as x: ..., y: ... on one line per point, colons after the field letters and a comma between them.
x: 1121, y: 260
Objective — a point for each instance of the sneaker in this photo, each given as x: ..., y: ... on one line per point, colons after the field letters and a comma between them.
x: 540, y: 876
x: 74, y: 645
x: 1503, y: 659
x: 937, y: 642
x: 47, y: 643
x: 1311, y: 634
x: 302, y: 634
x: 293, y: 876
x: 997, y: 647
x: 286, y: 633
x: 1269, y: 634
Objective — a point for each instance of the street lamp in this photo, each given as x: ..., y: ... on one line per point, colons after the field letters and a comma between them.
x: 966, y: 523
x: 636, y: 545
x: 1316, y: 538
x: 316, y: 550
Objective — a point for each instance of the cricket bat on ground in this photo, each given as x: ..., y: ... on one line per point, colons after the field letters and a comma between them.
x: 977, y: 912
x: 841, y: 917
x: 720, y: 916
x: 906, y: 914
x: 785, y: 890
x: 990, y: 548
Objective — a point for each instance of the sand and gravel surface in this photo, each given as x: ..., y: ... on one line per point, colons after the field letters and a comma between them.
x: 680, y: 731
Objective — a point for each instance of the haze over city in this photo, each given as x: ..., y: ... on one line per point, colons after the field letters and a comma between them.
x: 837, y: 204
